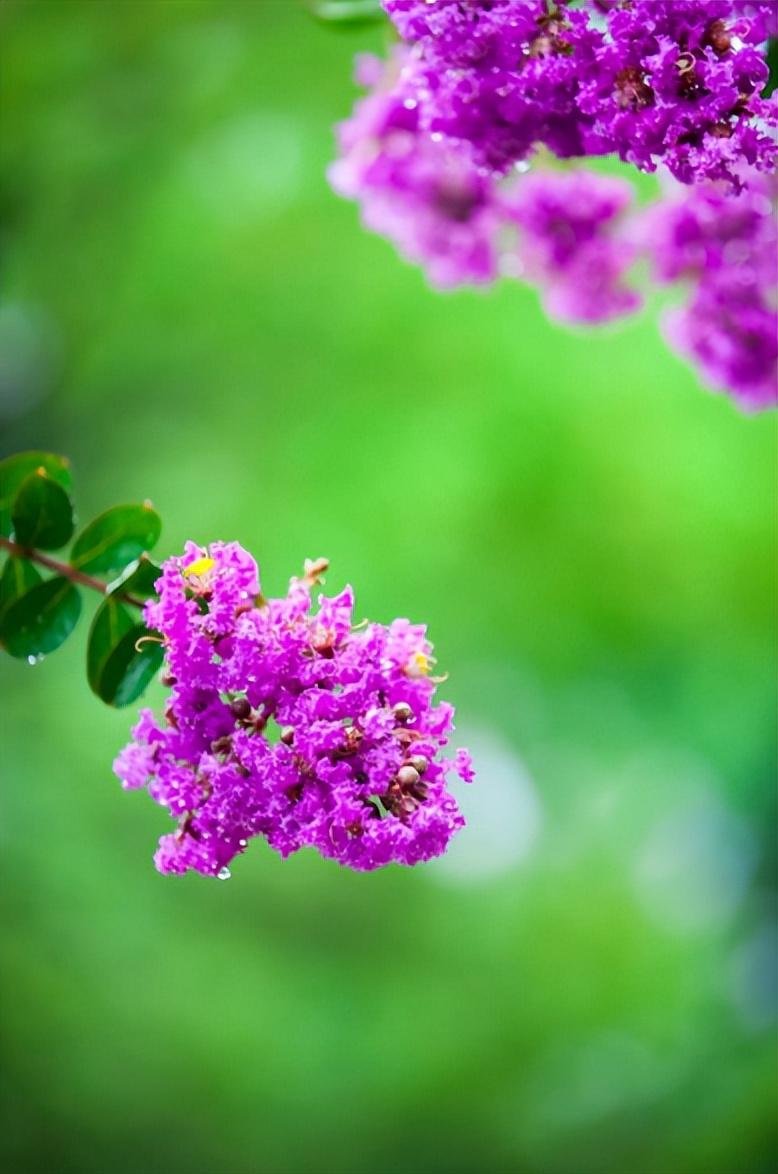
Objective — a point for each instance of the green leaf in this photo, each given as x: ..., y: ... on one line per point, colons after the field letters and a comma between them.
x: 137, y: 579
x: 347, y: 12
x: 111, y: 622
x: 42, y: 512
x: 118, y: 667
x: 14, y: 470
x: 131, y: 666
x: 41, y: 619
x: 122, y: 655
x: 19, y: 575
x: 772, y: 65
x: 116, y: 537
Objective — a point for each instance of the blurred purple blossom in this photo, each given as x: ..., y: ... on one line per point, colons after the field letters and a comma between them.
x: 424, y: 195
x: 574, y: 245
x: 434, y: 156
x: 725, y: 248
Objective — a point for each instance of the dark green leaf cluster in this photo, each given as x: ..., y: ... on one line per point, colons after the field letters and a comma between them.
x: 37, y: 613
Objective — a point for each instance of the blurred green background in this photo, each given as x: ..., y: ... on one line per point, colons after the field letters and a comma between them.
x: 586, y: 984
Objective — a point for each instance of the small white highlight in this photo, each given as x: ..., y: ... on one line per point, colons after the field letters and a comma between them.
x: 695, y: 864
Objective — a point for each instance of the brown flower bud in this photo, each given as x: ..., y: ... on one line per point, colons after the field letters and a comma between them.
x: 718, y: 36
x: 418, y: 762
x: 419, y: 791
x: 240, y: 708
x: 402, y: 711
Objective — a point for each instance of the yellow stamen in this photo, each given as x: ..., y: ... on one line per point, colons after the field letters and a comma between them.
x: 200, y: 566
x: 418, y: 665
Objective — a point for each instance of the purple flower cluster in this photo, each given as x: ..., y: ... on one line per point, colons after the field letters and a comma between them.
x: 726, y: 249
x: 289, y: 723
x: 574, y: 244
x: 671, y: 81
x: 421, y: 193
x: 434, y: 156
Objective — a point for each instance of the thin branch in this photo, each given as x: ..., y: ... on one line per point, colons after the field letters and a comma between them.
x: 65, y: 569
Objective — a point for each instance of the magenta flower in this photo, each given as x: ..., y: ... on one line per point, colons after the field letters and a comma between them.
x: 676, y: 82
x: 726, y: 249
x: 425, y: 196
x: 288, y: 723
x: 574, y: 243
x: 434, y: 154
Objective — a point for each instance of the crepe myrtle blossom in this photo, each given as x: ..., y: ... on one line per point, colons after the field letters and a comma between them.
x: 725, y: 249
x: 676, y: 82
x: 479, y: 91
x: 285, y: 721
x: 426, y: 196
x: 576, y: 245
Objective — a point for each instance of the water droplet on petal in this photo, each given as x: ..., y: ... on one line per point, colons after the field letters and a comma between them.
x: 223, y: 874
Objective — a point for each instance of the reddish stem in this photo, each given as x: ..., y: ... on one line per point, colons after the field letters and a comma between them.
x: 64, y: 569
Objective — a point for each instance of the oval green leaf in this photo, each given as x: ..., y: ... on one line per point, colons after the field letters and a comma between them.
x: 42, y: 512
x: 131, y: 666
x: 41, y: 619
x: 15, y: 469
x: 19, y: 576
x: 137, y: 579
x: 122, y: 655
x: 111, y: 621
x: 116, y: 538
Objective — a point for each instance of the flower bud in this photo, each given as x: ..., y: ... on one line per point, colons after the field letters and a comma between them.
x: 402, y: 711
x: 240, y: 708
x: 418, y: 762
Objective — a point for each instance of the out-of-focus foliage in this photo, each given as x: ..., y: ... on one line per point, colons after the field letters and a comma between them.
x: 347, y: 12
x: 585, y: 984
